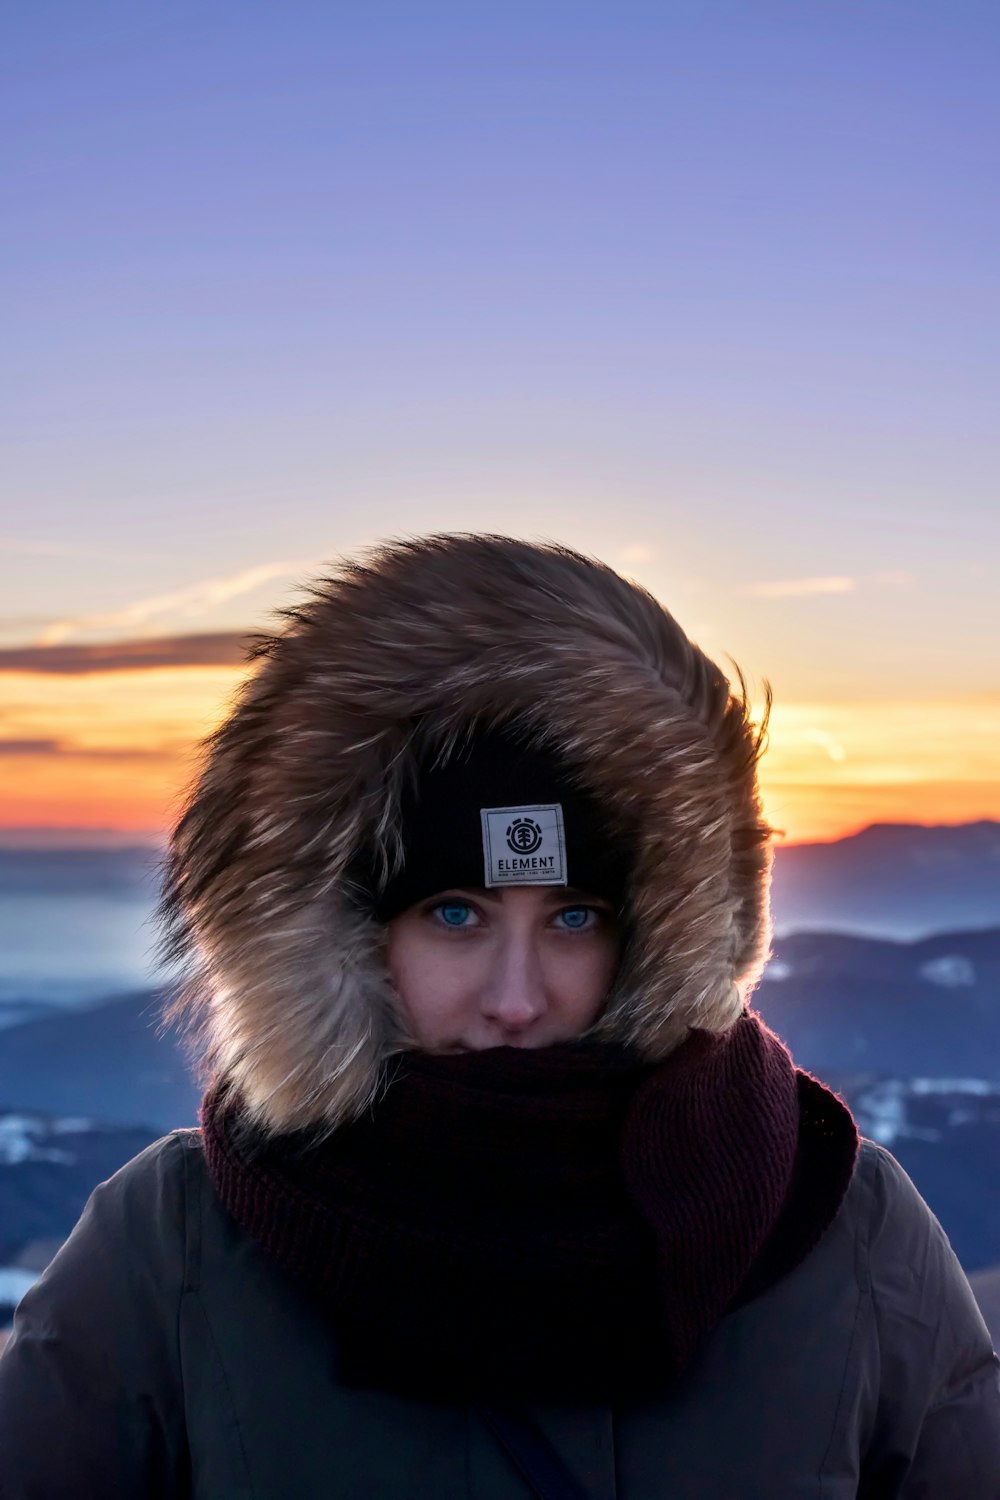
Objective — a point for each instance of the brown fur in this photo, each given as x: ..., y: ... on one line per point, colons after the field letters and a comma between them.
x: 286, y: 981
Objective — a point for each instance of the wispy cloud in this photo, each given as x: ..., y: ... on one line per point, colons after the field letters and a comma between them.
x: 29, y: 747
x: 797, y: 588
x: 821, y: 737
x: 220, y: 649
x: 187, y: 604
x: 48, y: 747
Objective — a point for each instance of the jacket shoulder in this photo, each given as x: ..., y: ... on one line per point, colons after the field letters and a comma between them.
x: 917, y: 1281
x: 94, y: 1352
x: 907, y: 1242
x: 133, y: 1224
x: 898, y: 1205
x: 938, y: 1419
x: 141, y: 1210
x: 162, y: 1169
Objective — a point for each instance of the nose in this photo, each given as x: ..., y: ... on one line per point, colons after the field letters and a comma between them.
x: 514, y: 997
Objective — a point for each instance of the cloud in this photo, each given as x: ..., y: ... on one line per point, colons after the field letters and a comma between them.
x: 827, y: 742
x: 796, y: 588
x: 188, y: 603
x: 47, y: 747
x: 29, y: 747
x: 221, y: 649
x: 60, y: 837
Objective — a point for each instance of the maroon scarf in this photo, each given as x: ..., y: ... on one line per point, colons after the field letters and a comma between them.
x: 564, y: 1222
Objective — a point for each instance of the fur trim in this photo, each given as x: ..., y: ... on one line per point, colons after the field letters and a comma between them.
x: 399, y: 651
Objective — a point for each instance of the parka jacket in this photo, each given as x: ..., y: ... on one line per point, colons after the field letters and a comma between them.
x: 163, y: 1356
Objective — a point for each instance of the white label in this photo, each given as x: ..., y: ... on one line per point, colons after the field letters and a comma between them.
x: 524, y: 845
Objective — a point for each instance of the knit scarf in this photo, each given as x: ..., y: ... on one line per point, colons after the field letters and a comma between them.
x: 562, y: 1223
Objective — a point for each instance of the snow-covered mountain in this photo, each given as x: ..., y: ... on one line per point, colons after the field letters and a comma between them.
x: 48, y: 1168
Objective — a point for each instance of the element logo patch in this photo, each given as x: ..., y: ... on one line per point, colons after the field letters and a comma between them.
x: 524, y: 845
x: 523, y: 836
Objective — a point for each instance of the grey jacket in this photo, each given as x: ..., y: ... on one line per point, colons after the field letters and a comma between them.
x: 162, y: 1355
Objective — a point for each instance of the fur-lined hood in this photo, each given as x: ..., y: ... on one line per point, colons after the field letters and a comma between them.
x: 285, y: 977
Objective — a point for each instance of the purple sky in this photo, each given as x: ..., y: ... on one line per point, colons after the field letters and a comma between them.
x: 710, y: 290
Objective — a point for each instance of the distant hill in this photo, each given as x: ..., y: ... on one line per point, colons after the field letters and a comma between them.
x: 892, y: 879
x: 130, y: 873
x: 108, y: 1063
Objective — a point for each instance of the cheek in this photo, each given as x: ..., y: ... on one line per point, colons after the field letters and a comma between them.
x: 435, y: 985
x: 583, y: 978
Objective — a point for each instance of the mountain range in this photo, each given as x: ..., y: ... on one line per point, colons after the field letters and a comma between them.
x: 900, y: 1019
x: 891, y: 880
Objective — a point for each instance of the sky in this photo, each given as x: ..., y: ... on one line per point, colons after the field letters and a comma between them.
x: 710, y: 291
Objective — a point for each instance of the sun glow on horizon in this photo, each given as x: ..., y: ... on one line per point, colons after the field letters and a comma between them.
x: 117, y: 750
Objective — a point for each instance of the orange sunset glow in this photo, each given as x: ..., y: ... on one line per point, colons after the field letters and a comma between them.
x: 115, y: 750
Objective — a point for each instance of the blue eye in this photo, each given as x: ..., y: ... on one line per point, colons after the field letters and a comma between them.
x: 453, y: 913
x: 576, y: 916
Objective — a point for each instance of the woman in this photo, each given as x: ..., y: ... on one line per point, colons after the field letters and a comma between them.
x: 501, y: 1186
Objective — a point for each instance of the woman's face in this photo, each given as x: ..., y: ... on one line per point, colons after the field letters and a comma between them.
x: 521, y: 966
